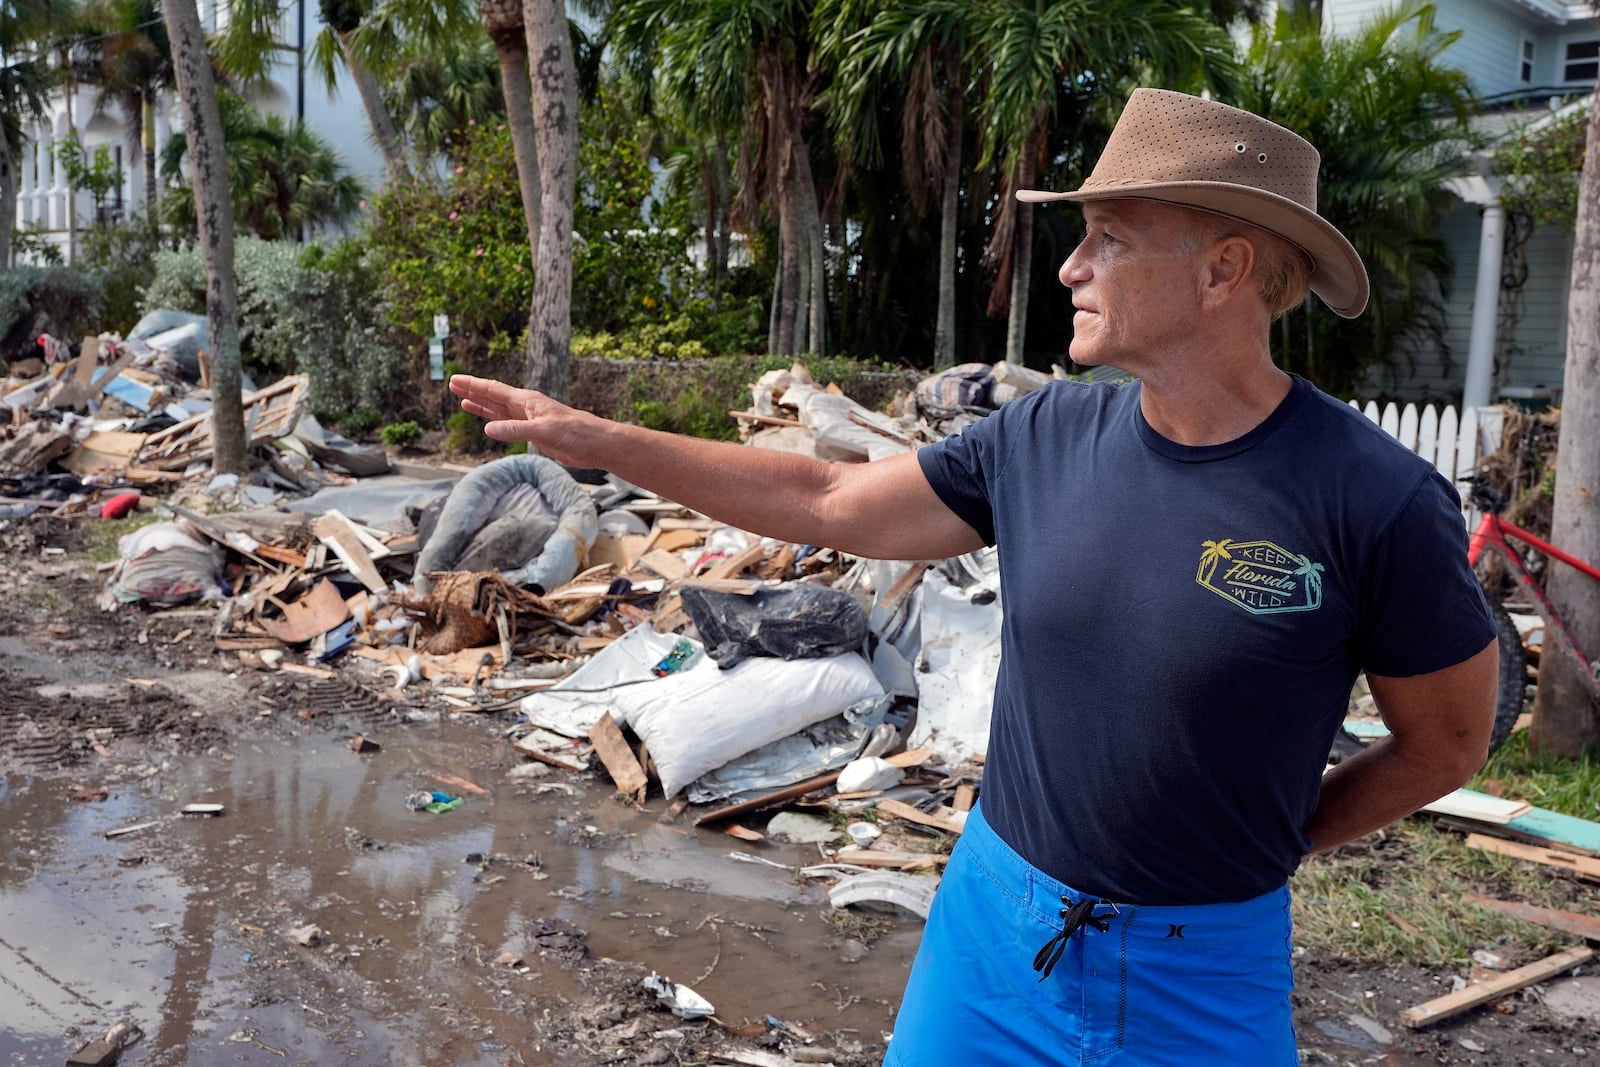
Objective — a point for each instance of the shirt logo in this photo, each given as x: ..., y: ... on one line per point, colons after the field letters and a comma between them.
x: 1260, y: 577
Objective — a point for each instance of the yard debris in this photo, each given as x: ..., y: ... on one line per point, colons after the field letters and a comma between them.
x: 892, y: 889
x: 1472, y: 996
x: 682, y: 1001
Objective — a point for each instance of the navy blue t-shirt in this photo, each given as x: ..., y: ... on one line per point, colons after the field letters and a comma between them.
x: 1182, y: 626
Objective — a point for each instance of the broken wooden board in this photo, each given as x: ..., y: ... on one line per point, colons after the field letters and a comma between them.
x: 339, y: 534
x: 666, y: 564
x: 1539, y: 826
x: 1455, y: 1003
x: 552, y: 748
x: 878, y: 857
x: 272, y: 413
x: 1568, y: 922
x: 1582, y: 866
x: 735, y: 564
x: 619, y: 760
x: 1478, y: 807
x: 905, y: 811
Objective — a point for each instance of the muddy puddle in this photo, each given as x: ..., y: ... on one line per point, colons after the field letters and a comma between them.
x: 424, y: 957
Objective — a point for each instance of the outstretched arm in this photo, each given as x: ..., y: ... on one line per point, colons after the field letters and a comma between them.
x: 1439, y: 725
x: 884, y: 510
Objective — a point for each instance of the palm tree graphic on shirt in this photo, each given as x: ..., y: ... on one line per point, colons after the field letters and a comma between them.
x: 1262, y: 577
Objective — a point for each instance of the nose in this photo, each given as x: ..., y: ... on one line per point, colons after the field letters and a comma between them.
x: 1074, y: 270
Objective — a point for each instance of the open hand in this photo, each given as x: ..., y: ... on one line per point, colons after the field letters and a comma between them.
x: 516, y: 414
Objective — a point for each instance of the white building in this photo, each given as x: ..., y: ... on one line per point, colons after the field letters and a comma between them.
x: 292, y: 90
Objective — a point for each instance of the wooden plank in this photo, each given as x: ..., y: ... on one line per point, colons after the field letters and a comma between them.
x: 1455, y: 1003
x: 735, y: 564
x: 1568, y: 922
x: 765, y: 420
x: 335, y: 532
x: 873, y: 857
x: 1558, y: 829
x: 1582, y: 866
x: 901, y: 810
x: 666, y: 564
x: 1479, y: 807
x: 613, y: 750
x: 281, y: 555
x: 966, y: 795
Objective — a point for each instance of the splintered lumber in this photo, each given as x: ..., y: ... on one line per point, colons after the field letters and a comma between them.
x: 619, y: 760
x: 734, y: 564
x: 1583, y: 866
x: 1455, y: 1003
x: 336, y: 531
x: 901, y: 810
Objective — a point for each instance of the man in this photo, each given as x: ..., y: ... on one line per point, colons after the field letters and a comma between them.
x: 1194, y: 568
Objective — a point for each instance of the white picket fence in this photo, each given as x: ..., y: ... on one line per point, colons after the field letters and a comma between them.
x: 1452, y: 442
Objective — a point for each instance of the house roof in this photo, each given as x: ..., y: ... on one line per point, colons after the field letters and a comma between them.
x: 1559, y: 12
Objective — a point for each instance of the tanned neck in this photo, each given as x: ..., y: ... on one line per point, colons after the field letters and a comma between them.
x: 1214, y: 392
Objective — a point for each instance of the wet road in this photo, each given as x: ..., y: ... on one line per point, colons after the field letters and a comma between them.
x: 184, y: 928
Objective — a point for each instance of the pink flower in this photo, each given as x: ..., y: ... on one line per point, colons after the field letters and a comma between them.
x: 461, y: 170
x: 452, y: 216
x: 519, y: 268
x: 501, y: 126
x: 479, y: 252
x: 472, y: 122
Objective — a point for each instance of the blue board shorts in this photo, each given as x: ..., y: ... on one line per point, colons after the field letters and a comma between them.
x: 1152, y: 986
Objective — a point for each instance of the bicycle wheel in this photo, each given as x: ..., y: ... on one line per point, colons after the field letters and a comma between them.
x: 1513, y: 683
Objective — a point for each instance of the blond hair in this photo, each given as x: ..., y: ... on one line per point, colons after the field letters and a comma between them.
x: 1282, y: 269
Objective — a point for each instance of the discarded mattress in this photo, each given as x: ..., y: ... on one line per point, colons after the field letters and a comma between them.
x: 522, y: 515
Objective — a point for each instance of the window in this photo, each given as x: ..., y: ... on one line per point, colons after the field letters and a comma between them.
x: 1525, y: 63
x: 1581, y: 61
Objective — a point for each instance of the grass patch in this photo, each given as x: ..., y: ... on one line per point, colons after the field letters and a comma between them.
x: 44, y: 599
x: 100, y: 538
x: 863, y: 926
x: 1395, y: 897
x: 1570, y: 786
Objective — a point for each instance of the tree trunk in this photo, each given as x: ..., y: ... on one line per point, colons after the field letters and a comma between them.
x: 816, y: 262
x: 511, y: 49
x: 1022, y: 252
x: 723, y: 180
x: 1564, y: 719
x: 208, y: 167
x: 8, y: 197
x: 555, y: 99
x: 147, y: 133
x: 944, y: 328
x: 383, y: 128
x: 802, y: 287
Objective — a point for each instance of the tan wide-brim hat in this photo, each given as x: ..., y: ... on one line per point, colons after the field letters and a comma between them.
x: 1180, y: 149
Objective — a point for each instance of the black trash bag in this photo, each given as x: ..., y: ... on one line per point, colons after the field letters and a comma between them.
x: 789, y: 622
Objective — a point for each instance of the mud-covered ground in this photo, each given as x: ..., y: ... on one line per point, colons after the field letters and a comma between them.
x: 515, y: 929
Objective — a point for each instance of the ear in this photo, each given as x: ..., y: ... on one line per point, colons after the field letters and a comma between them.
x: 1227, y: 267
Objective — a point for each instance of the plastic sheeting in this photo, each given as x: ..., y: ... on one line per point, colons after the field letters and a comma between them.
x: 523, y: 515
x: 573, y: 705
x: 959, y: 661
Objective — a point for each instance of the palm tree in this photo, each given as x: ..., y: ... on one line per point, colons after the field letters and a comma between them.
x: 335, y: 43
x: 436, y: 96
x: 130, y: 60
x: 1052, y: 64
x: 919, y: 49
x: 502, y: 21
x: 555, y: 103
x: 1391, y: 121
x: 209, y: 169
x: 282, y: 177
x: 724, y: 62
x: 26, y: 79
x: 1312, y: 573
x: 1214, y: 552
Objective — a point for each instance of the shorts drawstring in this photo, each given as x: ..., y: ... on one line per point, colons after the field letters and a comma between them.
x: 1074, y: 916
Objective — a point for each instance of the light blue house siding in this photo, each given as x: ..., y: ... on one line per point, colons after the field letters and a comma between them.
x: 1524, y: 57
x: 1534, y: 362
